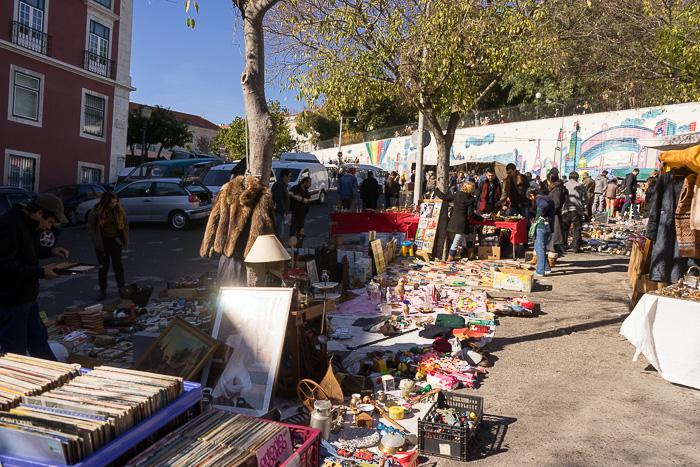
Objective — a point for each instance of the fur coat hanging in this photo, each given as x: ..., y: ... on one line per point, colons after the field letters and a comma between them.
x: 243, y: 210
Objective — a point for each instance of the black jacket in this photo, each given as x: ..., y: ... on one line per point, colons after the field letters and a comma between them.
x: 19, y: 258
x: 631, y: 184
x: 392, y: 188
x: 280, y: 196
x: 298, y: 207
x: 463, y: 205
x: 558, y: 193
x: 516, y: 191
x: 369, y: 191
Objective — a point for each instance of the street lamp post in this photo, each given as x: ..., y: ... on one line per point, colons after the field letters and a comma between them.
x: 537, y: 99
x: 340, y: 137
x: 145, y: 115
x: 561, y: 132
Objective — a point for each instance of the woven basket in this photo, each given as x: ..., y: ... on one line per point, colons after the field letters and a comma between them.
x: 688, y: 239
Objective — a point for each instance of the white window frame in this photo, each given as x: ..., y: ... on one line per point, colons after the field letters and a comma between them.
x: 15, y: 13
x: 107, y: 129
x: 90, y: 165
x: 105, y: 20
x: 37, y: 166
x: 11, y: 99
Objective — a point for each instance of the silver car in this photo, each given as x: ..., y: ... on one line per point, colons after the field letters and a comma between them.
x: 161, y: 200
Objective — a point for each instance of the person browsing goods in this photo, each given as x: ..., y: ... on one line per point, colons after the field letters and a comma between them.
x: 21, y: 327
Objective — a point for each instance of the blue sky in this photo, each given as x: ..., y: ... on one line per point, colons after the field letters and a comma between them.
x: 193, y: 71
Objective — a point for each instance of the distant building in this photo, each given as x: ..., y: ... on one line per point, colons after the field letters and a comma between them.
x: 198, y: 126
x: 64, y: 76
x: 304, y: 143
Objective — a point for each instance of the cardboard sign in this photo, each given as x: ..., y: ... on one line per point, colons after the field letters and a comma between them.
x: 428, y: 224
x: 378, y: 254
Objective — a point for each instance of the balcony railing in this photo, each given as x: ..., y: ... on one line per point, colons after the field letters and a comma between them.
x: 30, y: 38
x: 98, y: 64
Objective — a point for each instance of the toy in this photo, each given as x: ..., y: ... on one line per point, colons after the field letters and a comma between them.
x: 400, y: 289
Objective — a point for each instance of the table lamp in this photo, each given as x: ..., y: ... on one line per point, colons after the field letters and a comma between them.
x: 267, y: 249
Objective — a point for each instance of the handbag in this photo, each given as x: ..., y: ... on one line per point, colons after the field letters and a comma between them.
x: 688, y: 239
x: 538, y: 223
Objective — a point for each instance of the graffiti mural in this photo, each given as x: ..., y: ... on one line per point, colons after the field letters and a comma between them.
x: 590, y: 142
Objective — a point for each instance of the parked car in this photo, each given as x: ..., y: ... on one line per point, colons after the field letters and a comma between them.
x: 161, y: 200
x: 317, y: 172
x: 361, y: 174
x: 160, y: 169
x: 72, y: 195
x: 11, y: 195
x: 214, y: 176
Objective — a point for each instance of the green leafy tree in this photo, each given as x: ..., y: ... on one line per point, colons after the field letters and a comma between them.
x: 234, y: 139
x: 440, y: 57
x: 162, y: 128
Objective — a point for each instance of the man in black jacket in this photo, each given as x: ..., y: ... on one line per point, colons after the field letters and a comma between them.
x: 280, y: 196
x: 514, y: 188
x: 369, y: 191
x: 300, y: 199
x: 631, y: 194
x: 21, y: 327
x: 392, y: 189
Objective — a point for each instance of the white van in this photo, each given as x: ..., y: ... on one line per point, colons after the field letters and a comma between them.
x: 317, y: 172
x: 299, y: 157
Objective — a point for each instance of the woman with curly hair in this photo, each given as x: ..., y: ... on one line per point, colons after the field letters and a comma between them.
x: 109, y: 229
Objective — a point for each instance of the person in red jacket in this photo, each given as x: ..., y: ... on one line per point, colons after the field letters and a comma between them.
x: 488, y: 193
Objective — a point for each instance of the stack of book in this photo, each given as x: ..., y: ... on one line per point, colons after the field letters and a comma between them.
x: 66, y: 424
x: 72, y: 319
x: 92, y: 322
x: 218, y: 437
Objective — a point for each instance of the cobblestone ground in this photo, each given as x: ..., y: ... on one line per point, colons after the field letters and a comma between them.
x: 564, y: 389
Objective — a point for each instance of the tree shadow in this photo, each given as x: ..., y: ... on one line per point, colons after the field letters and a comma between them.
x: 500, y: 343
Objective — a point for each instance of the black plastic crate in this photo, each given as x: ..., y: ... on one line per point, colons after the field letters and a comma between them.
x: 442, y: 440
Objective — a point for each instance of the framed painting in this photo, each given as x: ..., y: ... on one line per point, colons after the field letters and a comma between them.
x: 250, y: 323
x: 180, y: 350
x: 311, y: 271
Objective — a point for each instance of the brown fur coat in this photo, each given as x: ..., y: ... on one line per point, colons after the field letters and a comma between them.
x: 243, y: 210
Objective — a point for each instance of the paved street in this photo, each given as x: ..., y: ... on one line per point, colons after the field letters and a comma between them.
x: 156, y: 255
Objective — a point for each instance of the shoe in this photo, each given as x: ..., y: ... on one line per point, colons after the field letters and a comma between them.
x: 552, y: 261
x: 471, y: 255
x: 537, y: 274
x: 102, y: 295
x: 450, y: 258
x: 533, y: 260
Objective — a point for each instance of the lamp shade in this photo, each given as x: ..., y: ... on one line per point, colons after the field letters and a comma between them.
x: 267, y: 249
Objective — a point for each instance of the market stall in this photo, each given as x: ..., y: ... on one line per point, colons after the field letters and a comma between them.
x: 358, y: 222
x: 518, y: 229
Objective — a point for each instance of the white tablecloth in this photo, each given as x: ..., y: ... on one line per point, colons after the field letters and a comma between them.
x: 667, y: 331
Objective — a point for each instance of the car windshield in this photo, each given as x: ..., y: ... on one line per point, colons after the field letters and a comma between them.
x: 217, y: 177
x: 63, y: 192
x: 148, y: 171
x: 278, y: 170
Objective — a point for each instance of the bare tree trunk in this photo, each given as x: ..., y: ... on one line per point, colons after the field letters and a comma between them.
x: 260, y: 124
x: 444, y: 142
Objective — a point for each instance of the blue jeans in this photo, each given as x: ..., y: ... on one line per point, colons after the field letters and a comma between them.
x: 22, y: 329
x: 630, y: 199
x: 541, y: 241
x: 281, y: 226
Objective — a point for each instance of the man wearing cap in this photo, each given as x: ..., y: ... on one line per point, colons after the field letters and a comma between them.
x: 21, y: 327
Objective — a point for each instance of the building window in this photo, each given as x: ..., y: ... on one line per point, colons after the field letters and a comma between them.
x: 25, y: 102
x: 31, y: 13
x: 94, y: 115
x: 90, y: 175
x: 22, y: 172
x: 107, y: 3
x: 97, y: 56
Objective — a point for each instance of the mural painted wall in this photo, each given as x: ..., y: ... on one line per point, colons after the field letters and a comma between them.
x: 590, y: 142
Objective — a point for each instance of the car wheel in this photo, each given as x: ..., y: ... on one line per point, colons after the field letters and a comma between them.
x: 178, y: 220
x: 47, y: 238
x: 322, y: 197
x: 72, y: 217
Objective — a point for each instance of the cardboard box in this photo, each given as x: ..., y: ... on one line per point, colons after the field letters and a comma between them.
x: 489, y: 252
x: 363, y: 269
x: 517, y: 280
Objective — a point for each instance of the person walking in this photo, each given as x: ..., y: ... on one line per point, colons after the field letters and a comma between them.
x: 21, y: 327
x: 611, y: 196
x: 599, y: 191
x: 574, y: 207
x: 108, y: 228
x: 649, y: 193
x: 589, y: 183
x: 558, y: 194
x: 488, y: 193
x: 542, y: 227
x: 280, y: 196
x: 631, y: 195
x: 369, y: 191
x: 514, y: 188
x: 347, y: 188
x: 463, y: 204
x: 299, y: 199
